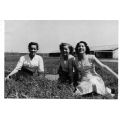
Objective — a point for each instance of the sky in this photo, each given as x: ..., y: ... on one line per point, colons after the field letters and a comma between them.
x: 50, y: 33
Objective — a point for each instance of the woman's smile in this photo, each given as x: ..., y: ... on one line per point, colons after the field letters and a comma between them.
x: 81, y: 48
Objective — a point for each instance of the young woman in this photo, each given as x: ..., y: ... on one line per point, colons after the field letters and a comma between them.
x: 65, y: 70
x: 29, y: 63
x: 90, y: 81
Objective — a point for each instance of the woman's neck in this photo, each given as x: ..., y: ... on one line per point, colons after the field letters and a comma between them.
x: 31, y: 56
x: 65, y: 57
x: 81, y: 56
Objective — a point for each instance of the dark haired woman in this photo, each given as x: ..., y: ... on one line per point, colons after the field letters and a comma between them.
x: 29, y: 63
x: 90, y: 81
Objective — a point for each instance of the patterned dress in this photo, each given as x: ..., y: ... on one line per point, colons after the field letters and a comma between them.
x: 89, y: 80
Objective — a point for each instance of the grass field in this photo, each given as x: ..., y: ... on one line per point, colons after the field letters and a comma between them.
x: 40, y: 87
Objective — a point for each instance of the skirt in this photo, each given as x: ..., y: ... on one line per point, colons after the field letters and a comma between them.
x: 92, y: 83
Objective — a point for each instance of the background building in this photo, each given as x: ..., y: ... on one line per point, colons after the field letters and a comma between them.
x: 106, y: 51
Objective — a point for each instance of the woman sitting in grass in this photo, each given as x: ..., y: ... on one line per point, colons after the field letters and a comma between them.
x: 29, y: 63
x: 89, y: 80
x: 65, y: 70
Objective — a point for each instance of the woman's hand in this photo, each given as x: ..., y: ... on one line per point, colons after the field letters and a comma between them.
x: 41, y: 74
x: 8, y: 77
x: 116, y: 75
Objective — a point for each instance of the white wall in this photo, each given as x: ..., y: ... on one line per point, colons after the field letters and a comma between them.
x: 115, y: 54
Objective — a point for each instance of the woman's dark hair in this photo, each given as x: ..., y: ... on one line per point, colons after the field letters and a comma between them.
x: 87, y: 47
x: 33, y: 43
x: 69, y: 46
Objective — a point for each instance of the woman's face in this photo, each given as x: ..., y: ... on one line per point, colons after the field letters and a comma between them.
x: 33, y: 49
x: 81, y: 48
x: 65, y: 50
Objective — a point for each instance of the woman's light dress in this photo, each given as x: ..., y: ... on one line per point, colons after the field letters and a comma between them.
x: 89, y: 81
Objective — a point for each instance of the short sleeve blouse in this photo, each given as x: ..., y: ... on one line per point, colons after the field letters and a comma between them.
x: 35, y: 64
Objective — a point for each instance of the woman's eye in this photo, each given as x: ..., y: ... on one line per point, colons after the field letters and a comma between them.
x: 33, y: 49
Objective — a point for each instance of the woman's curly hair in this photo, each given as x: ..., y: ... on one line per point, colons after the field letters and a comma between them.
x: 87, y: 47
x: 71, y: 49
x: 33, y: 43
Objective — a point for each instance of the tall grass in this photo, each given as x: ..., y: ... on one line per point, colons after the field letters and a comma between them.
x: 43, y: 88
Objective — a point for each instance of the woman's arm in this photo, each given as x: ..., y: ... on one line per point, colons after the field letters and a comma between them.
x: 17, y: 68
x: 41, y: 67
x: 104, y: 67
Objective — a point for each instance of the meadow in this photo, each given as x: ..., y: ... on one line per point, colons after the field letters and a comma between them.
x: 48, y: 88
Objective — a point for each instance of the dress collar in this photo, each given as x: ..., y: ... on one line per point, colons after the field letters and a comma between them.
x: 32, y: 58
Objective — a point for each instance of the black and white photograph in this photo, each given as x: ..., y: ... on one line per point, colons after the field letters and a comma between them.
x: 61, y: 59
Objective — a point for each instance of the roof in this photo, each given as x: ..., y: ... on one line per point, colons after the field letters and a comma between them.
x: 97, y: 48
x: 56, y: 51
x: 104, y: 47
